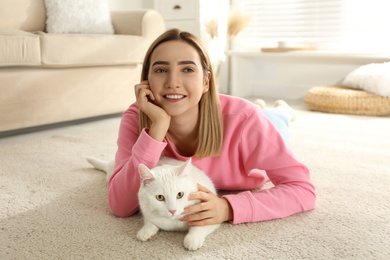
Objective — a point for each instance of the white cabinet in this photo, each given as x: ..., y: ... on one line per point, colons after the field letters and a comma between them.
x: 191, y: 15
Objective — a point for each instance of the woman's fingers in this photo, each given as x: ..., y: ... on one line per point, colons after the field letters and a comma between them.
x: 210, y: 210
x: 146, y: 102
x: 203, y: 188
x: 143, y: 90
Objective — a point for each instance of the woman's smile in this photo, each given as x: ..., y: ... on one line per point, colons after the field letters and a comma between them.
x: 174, y: 97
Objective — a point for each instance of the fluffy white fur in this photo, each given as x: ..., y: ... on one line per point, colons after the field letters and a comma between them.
x: 78, y: 16
x: 374, y: 78
x: 173, y: 181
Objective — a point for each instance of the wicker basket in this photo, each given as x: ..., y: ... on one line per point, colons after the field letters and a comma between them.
x: 342, y: 100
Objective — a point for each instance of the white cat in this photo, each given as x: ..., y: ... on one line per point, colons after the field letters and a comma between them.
x: 163, y: 195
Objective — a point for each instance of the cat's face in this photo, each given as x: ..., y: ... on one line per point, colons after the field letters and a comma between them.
x: 164, y: 190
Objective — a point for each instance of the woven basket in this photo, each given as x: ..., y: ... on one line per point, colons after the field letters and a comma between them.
x: 336, y: 99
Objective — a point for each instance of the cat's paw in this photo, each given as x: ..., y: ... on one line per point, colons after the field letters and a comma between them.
x: 146, y: 233
x: 193, y: 241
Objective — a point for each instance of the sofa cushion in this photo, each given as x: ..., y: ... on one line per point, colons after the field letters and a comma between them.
x: 78, y: 16
x: 19, y: 48
x: 68, y: 50
x: 26, y: 15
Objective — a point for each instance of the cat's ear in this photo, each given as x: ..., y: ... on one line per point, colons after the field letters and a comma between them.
x: 184, y: 169
x: 145, y: 174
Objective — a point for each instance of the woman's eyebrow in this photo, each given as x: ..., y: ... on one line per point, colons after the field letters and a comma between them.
x: 184, y: 62
x: 160, y: 63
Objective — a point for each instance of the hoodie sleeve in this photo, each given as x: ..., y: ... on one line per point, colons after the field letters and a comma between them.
x: 133, y: 149
x: 263, y: 149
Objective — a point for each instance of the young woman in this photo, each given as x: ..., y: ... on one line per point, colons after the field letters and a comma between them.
x: 179, y: 113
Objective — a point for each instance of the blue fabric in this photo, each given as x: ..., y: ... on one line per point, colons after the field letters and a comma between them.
x: 280, y: 118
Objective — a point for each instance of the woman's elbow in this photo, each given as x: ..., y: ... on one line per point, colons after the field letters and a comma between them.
x: 310, y: 198
x: 123, y: 212
x: 122, y: 208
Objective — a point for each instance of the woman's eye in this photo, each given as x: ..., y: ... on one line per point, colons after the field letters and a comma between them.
x: 160, y: 70
x: 160, y: 197
x: 188, y: 70
x: 180, y: 195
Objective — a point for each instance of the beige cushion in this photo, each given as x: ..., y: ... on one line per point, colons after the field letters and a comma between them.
x: 63, y: 50
x: 36, y: 96
x: 19, y: 48
x: 26, y: 15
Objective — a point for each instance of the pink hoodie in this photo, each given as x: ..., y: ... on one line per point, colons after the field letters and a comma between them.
x: 253, y: 153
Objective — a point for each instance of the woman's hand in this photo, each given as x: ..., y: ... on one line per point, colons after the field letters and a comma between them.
x: 210, y: 211
x: 160, y: 119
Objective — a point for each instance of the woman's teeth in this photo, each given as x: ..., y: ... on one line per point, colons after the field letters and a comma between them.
x: 174, y: 96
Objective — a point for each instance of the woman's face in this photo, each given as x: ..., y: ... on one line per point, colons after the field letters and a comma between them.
x: 176, y: 78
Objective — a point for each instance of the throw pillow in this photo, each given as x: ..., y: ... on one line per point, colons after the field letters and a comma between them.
x: 374, y: 78
x: 78, y: 16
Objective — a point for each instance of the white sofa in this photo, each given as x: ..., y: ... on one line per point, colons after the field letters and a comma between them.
x: 49, y: 78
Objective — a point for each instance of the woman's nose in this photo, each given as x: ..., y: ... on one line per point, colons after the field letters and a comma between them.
x: 173, y: 80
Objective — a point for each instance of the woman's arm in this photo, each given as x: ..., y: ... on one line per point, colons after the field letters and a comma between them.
x: 133, y: 149
x: 289, y: 196
x: 262, y: 148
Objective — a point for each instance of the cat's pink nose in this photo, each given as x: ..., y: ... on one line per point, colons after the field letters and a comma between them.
x: 172, y: 211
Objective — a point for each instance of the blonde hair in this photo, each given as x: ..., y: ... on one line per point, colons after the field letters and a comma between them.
x: 210, y: 135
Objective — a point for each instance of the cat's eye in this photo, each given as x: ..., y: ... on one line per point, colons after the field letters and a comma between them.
x: 160, y: 197
x: 180, y: 195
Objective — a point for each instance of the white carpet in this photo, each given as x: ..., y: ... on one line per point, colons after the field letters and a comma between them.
x: 53, y: 205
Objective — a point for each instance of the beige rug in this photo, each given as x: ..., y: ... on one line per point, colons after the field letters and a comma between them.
x: 53, y: 205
